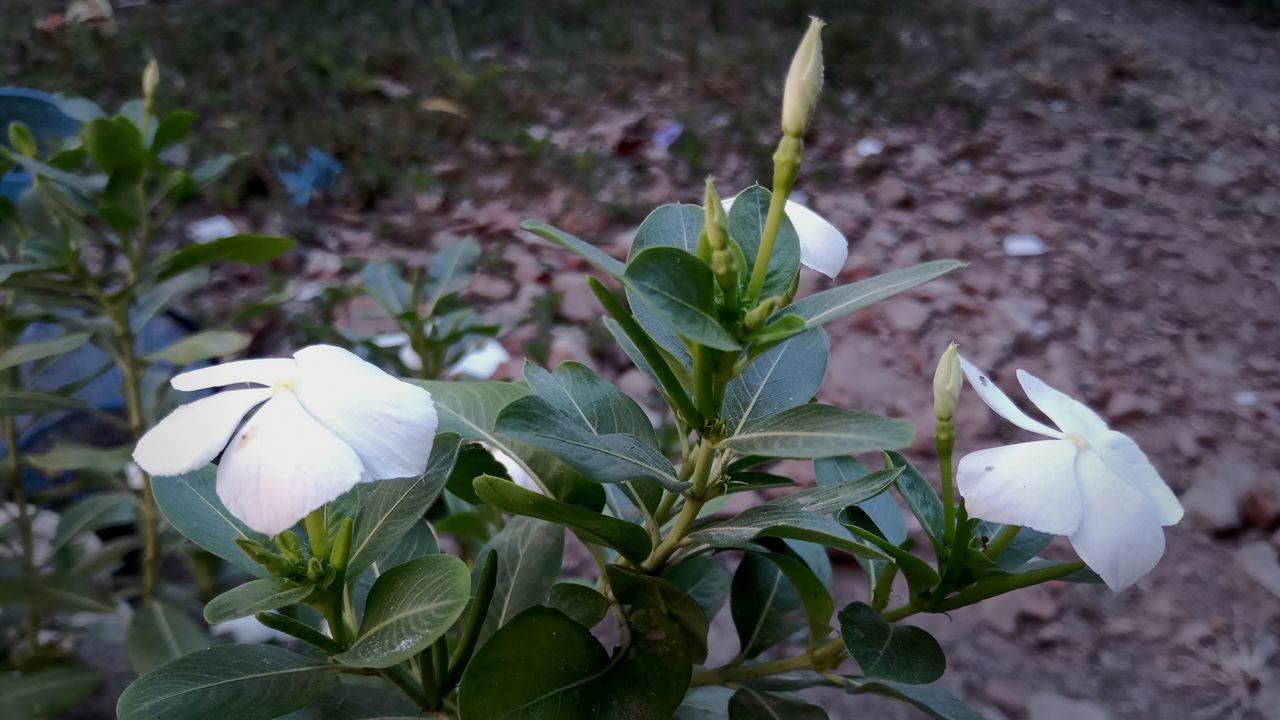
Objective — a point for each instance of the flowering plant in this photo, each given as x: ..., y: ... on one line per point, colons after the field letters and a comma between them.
x: 375, y: 469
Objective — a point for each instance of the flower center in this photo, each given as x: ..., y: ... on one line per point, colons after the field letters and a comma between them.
x: 284, y: 385
x: 1076, y: 440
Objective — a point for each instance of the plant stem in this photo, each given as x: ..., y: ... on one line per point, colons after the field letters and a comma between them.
x: 693, y: 503
x: 786, y: 165
x: 131, y: 377
x: 401, y: 679
x: 1001, y: 541
x: 826, y: 656
x: 703, y: 379
x: 23, y: 521
x: 945, y: 437
x: 900, y: 612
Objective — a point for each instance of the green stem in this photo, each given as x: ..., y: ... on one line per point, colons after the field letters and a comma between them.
x: 704, y: 381
x: 825, y: 657
x: 900, y: 612
x: 440, y: 665
x: 475, y: 621
x: 23, y: 521
x: 786, y: 165
x: 300, y: 630
x: 1001, y: 584
x: 689, y: 513
x: 945, y: 437
x: 401, y: 679
x: 131, y: 378
x: 1001, y: 541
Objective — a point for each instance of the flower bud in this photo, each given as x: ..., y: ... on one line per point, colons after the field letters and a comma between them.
x: 947, y: 381
x: 150, y: 79
x: 804, y: 82
x: 715, y: 223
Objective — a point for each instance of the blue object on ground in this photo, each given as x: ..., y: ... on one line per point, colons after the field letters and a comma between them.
x: 316, y: 172
x: 47, y: 118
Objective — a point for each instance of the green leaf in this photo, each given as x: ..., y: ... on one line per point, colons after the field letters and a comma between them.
x: 542, y: 661
x: 46, y: 693
x: 410, y: 606
x: 704, y: 579
x: 451, y: 270
x: 471, y: 408
x: 172, y: 129
x: 67, y: 456
x: 160, y: 632
x: 549, y: 666
x: 26, y: 402
x: 890, y: 651
x: 632, y: 541
x: 1026, y: 545
x: 814, y: 597
x: 642, y: 592
x: 829, y: 305
x: 785, y: 377
x: 881, y: 509
x: 580, y: 602
x: 245, y: 682
x: 190, y: 503
x: 205, y: 345
x: 382, y: 280
x: 750, y: 704
x: 920, y: 497
x: 150, y: 303
x: 602, y: 408
x: 936, y: 702
x: 115, y: 146
x: 776, y: 331
x: 764, y: 605
x: 598, y: 258
x: 602, y: 458
x: 675, y: 225
x: 529, y: 554
x: 814, y: 431
x: 32, y: 351
x: 54, y: 592
x: 746, y: 226
x: 389, y: 508
x: 93, y: 513
x: 84, y: 185
x: 803, y: 515
x: 247, y: 249
x: 709, y: 702
x: 680, y: 290
x: 22, y: 140
x: 254, y: 597
x: 473, y: 461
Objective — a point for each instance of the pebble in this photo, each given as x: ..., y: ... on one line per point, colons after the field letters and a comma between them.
x: 1023, y: 245
x: 1052, y: 706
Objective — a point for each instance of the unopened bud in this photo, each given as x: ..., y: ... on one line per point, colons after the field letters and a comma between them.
x: 150, y: 79
x: 756, y: 317
x: 804, y: 82
x: 947, y: 381
x: 716, y: 223
x: 289, y: 546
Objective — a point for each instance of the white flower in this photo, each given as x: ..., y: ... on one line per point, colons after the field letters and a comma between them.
x: 328, y: 421
x: 822, y: 246
x: 482, y: 361
x: 1089, y: 482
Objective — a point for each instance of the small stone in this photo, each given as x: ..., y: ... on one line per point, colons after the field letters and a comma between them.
x: 1258, y: 560
x: 906, y: 315
x: 1052, y: 706
x: 1260, y: 509
x: 1023, y: 245
x: 947, y: 213
x: 577, y: 302
x: 1215, y: 496
x: 891, y: 193
x: 488, y: 287
x: 869, y: 146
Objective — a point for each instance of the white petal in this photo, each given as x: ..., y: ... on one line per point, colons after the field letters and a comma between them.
x: 388, y: 422
x: 193, y: 435
x: 822, y: 246
x: 1125, y: 459
x: 283, y: 465
x: 483, y: 361
x: 1065, y: 411
x: 265, y: 371
x: 1030, y: 484
x: 1120, y: 536
x: 995, y: 399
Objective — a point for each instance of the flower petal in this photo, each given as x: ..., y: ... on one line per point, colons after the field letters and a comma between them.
x: 1120, y: 536
x: 1125, y: 459
x: 283, y: 465
x: 265, y: 371
x: 995, y: 399
x: 1030, y: 484
x: 193, y: 435
x: 1065, y: 411
x: 822, y: 246
x: 389, y: 423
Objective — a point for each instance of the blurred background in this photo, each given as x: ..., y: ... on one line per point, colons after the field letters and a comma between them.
x: 1111, y: 172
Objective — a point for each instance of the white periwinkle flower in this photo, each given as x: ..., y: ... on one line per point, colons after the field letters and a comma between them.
x: 1088, y: 482
x: 328, y: 421
x: 822, y: 246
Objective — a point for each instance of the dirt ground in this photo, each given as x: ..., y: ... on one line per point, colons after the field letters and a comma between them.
x: 1140, y: 143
